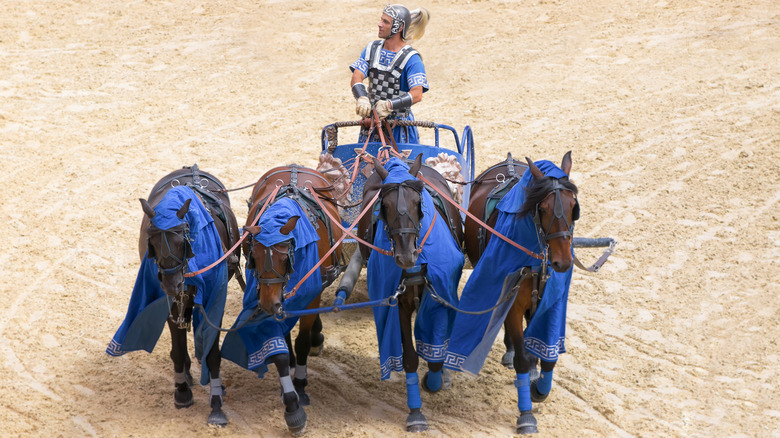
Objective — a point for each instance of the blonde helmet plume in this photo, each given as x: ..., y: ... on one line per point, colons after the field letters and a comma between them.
x: 420, y: 18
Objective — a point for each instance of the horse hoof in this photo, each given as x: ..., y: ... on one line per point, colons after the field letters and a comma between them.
x: 526, y: 424
x: 536, y: 396
x: 296, y: 420
x: 303, y: 399
x: 182, y: 398
x: 416, y: 422
x: 508, y: 359
x: 218, y: 418
x: 300, y: 389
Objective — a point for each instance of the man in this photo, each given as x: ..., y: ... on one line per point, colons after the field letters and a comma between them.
x: 395, y: 71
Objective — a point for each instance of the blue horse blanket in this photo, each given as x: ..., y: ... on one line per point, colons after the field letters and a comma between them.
x: 474, y: 335
x: 149, y: 306
x: 434, y: 321
x: 263, y: 336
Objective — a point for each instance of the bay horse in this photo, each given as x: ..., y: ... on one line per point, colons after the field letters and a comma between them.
x: 187, y: 225
x: 535, y: 205
x: 292, y: 234
x: 421, y: 266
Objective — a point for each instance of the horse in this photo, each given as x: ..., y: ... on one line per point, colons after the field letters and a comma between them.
x: 292, y: 235
x: 537, y: 209
x: 187, y: 225
x: 490, y: 187
x: 421, y: 269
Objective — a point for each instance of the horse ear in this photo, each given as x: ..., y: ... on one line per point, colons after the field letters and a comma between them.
x: 252, y: 229
x: 184, y: 209
x: 415, y: 169
x: 534, y: 170
x: 566, y: 163
x: 289, y: 226
x: 147, y: 208
x: 379, y: 168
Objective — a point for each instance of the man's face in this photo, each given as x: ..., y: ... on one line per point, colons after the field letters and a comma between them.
x: 385, y: 26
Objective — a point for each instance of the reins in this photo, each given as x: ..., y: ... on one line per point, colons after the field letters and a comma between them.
x: 243, y: 236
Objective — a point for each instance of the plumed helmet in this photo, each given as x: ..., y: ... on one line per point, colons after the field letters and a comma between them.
x: 401, y: 18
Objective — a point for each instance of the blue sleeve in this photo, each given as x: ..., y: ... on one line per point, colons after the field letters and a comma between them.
x: 414, y: 74
x: 361, y: 63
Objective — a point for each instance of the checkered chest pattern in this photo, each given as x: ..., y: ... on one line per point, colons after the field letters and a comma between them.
x: 385, y: 80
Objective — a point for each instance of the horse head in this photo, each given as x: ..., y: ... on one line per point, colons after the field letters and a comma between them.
x: 401, y: 212
x: 553, y: 203
x: 273, y: 266
x: 170, y: 249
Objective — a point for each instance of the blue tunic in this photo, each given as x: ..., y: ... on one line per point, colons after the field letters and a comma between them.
x: 474, y: 335
x: 434, y: 321
x: 149, y: 307
x: 263, y: 337
x: 412, y: 75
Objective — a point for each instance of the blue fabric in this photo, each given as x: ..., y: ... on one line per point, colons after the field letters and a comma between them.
x: 523, y: 384
x: 433, y: 324
x: 413, y: 400
x: 263, y: 336
x: 412, y: 75
x: 433, y: 382
x: 474, y: 335
x: 544, y: 383
x: 148, y: 308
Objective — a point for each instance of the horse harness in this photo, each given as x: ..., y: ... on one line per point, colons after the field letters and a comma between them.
x: 496, y: 194
x: 313, y: 214
x: 214, y: 206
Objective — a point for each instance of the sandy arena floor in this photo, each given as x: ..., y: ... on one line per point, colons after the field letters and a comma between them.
x: 671, y: 109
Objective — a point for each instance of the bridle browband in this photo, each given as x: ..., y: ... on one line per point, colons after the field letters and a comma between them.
x: 402, y: 210
x: 268, y: 264
x: 558, y: 213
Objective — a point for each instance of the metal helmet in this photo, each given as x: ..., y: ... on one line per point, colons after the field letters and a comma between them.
x: 401, y: 18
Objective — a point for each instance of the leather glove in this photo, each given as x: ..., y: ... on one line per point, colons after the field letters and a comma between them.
x: 363, y: 107
x: 383, y: 109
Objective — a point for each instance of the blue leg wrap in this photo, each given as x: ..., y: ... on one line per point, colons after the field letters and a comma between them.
x: 544, y: 384
x: 434, y: 380
x: 413, y: 399
x: 523, y: 384
x: 341, y: 296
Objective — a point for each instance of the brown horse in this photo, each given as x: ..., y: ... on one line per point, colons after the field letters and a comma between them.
x: 418, y: 284
x: 171, y: 250
x: 552, y: 205
x: 277, y: 261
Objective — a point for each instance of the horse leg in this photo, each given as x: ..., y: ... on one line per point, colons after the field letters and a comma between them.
x: 437, y: 378
x: 303, y: 346
x: 526, y: 422
x: 213, y: 359
x: 317, y: 338
x: 294, y: 415
x: 182, y: 394
x: 416, y: 421
x: 542, y: 384
x: 349, y: 278
x: 289, y: 342
x: 508, y: 358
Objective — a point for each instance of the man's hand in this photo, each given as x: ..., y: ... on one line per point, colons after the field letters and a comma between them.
x: 383, y: 109
x: 363, y: 107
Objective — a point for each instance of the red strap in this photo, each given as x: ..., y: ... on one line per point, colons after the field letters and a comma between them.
x: 246, y: 233
x: 487, y: 227
x: 335, y: 245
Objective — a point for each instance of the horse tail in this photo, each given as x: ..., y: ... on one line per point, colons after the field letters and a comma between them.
x: 420, y: 18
